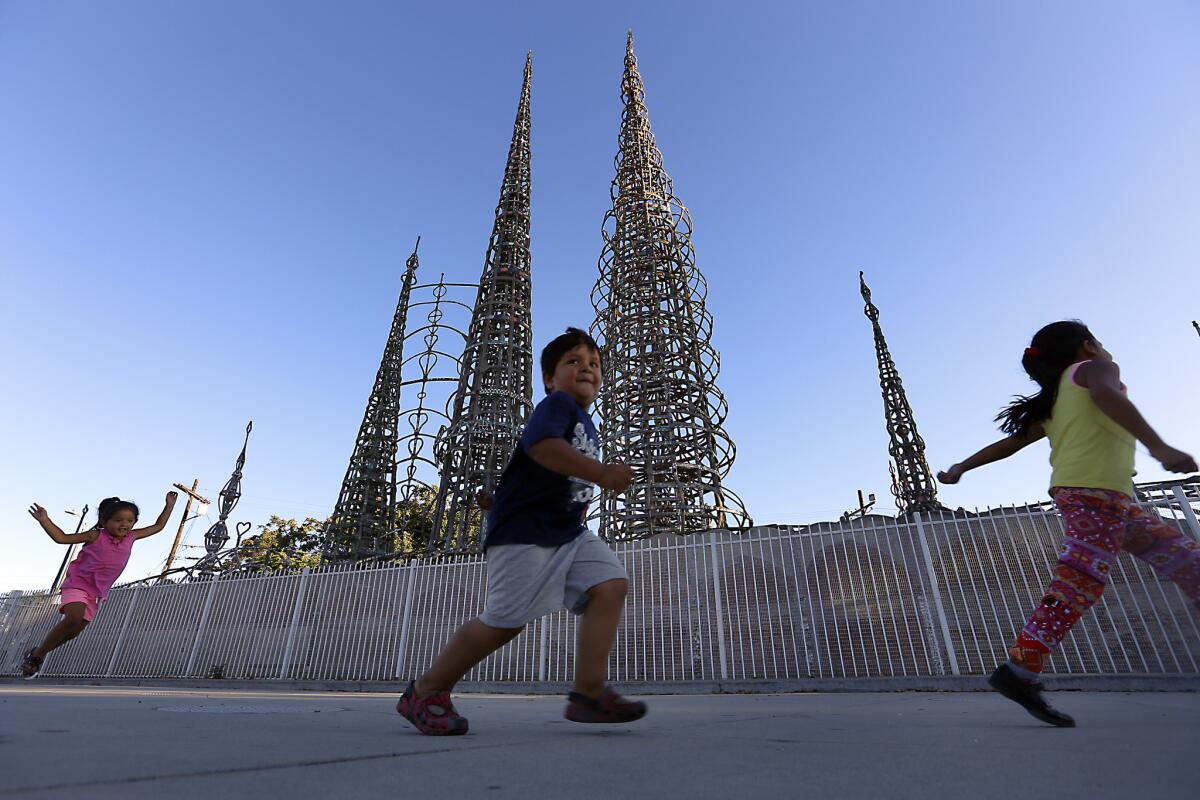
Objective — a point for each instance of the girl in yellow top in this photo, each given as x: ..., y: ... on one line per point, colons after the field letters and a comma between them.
x: 1082, y: 409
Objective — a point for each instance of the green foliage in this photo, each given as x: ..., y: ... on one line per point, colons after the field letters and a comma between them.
x: 414, y: 522
x: 288, y: 544
x: 283, y: 544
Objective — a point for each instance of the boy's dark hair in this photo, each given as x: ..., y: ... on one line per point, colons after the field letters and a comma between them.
x: 111, y: 505
x: 1053, y: 349
x: 562, y: 345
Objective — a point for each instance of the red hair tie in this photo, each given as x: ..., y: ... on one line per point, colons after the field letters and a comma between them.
x: 1032, y: 351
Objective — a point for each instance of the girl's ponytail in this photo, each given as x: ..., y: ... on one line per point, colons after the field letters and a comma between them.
x: 1053, y: 349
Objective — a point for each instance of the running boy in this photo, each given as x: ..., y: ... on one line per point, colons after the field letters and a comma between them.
x: 540, y: 555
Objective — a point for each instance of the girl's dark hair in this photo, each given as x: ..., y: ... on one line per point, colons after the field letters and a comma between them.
x: 562, y: 345
x: 1053, y: 349
x: 111, y: 505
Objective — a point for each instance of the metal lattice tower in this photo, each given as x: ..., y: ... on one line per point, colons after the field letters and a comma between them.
x: 912, y: 480
x: 362, y: 521
x: 495, y: 388
x: 216, y: 536
x: 660, y: 407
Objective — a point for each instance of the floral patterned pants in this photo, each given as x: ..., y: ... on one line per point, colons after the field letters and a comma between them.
x: 1099, y: 525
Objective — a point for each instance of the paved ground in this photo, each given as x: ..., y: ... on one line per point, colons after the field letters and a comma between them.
x: 72, y: 741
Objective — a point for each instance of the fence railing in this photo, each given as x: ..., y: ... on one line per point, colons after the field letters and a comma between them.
x: 930, y: 595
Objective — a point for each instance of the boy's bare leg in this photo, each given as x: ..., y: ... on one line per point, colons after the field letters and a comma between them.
x: 472, y: 643
x: 70, y: 626
x: 597, y: 630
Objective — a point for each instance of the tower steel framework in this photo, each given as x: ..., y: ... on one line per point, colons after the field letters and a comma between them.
x: 912, y: 480
x: 217, y: 536
x: 661, y: 411
x: 495, y: 388
x: 363, y: 519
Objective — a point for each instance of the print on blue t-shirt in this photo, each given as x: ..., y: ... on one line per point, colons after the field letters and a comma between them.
x: 535, y: 505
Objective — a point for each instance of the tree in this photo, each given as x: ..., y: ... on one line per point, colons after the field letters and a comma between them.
x: 414, y: 523
x: 283, y: 544
x: 288, y: 544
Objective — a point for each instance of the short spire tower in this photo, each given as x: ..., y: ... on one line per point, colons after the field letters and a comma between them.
x: 661, y: 411
x: 912, y: 480
x: 365, y: 514
x: 495, y: 387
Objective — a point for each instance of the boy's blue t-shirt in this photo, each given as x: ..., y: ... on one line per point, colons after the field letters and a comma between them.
x: 535, y: 505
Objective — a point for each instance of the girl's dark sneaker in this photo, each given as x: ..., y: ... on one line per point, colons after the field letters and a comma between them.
x: 434, y: 715
x: 610, y: 707
x: 1028, y: 695
x: 31, y: 666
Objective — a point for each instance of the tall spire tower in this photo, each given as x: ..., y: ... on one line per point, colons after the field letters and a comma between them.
x: 912, y: 480
x: 362, y: 521
x: 495, y: 387
x: 660, y: 408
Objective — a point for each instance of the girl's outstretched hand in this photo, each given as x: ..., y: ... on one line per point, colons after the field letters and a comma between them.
x: 950, y: 475
x: 1174, y: 460
x: 484, y: 500
x: 172, y: 496
x: 39, y: 513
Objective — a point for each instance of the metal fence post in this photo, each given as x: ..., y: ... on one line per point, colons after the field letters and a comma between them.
x: 208, y: 601
x: 1184, y: 504
x: 719, y: 607
x: 10, y: 619
x: 291, y: 639
x: 410, y: 573
x: 543, y: 662
x: 112, y: 662
x: 937, y: 594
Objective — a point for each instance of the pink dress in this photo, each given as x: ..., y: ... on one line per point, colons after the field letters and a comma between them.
x: 99, y: 564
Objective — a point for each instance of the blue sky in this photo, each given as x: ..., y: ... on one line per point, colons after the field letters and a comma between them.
x: 205, y: 210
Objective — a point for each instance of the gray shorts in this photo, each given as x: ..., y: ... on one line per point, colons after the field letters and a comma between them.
x: 527, y: 581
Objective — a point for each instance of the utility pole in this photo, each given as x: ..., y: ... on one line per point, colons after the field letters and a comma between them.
x: 71, y: 550
x: 863, y: 507
x: 191, y: 494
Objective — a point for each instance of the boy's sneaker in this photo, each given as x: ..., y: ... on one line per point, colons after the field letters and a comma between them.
x: 610, y: 707
x: 32, y: 665
x: 1028, y: 695
x: 434, y: 715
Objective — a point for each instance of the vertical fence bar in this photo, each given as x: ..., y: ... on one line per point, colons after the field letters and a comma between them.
x: 720, y: 614
x: 291, y: 637
x: 112, y: 662
x: 543, y: 656
x: 937, y: 594
x: 1186, y: 506
x: 9, y: 633
x: 410, y: 574
x: 208, y: 601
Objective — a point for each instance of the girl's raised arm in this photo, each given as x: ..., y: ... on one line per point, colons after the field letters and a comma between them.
x: 161, y: 522
x: 55, y: 532
x: 993, y: 452
x: 1103, y: 382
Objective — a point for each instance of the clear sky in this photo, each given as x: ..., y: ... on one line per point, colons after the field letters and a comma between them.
x: 205, y: 210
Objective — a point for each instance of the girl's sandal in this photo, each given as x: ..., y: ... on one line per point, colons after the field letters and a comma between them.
x: 31, y: 666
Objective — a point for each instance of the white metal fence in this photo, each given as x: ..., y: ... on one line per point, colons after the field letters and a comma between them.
x: 875, y: 597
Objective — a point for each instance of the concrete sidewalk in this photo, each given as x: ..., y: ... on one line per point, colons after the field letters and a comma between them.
x: 98, y: 742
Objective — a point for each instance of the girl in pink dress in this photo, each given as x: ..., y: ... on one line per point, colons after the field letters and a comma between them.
x: 101, y: 560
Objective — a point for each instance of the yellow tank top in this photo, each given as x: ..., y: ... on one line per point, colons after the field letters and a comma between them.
x: 1088, y: 450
